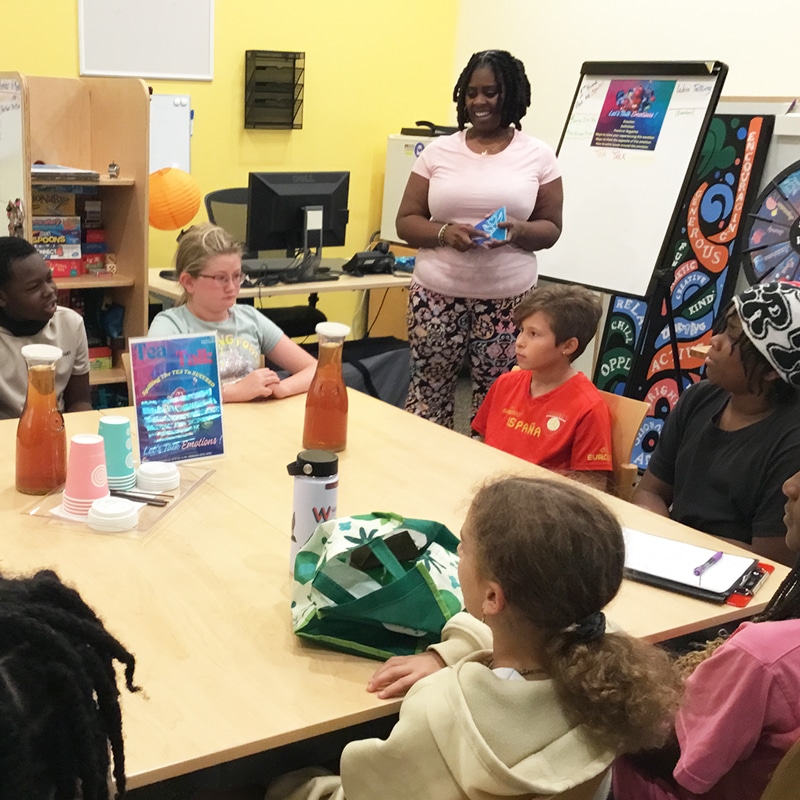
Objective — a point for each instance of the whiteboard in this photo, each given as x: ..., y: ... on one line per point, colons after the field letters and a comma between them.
x: 631, y: 139
x: 13, y: 183
x: 170, y: 131
x: 170, y: 39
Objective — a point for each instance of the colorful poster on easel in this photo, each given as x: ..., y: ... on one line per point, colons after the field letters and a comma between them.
x: 633, y: 114
x: 636, y: 351
x: 178, y: 397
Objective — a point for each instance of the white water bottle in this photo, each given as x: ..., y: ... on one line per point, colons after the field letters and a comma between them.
x: 316, y: 485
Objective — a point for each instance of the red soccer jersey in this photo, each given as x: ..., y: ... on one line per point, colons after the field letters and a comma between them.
x: 567, y: 429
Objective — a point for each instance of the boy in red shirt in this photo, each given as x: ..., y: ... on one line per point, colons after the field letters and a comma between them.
x: 547, y: 412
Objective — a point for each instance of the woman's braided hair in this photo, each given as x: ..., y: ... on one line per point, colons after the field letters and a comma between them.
x: 510, y: 74
x: 60, y: 720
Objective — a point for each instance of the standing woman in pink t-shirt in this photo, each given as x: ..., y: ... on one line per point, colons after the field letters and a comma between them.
x: 462, y: 298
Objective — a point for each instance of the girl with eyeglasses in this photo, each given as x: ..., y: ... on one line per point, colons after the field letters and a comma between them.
x: 209, y: 267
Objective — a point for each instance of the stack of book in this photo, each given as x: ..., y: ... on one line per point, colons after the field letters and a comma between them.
x: 68, y: 230
x: 57, y: 232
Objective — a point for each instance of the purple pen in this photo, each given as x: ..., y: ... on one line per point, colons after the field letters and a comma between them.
x: 698, y: 571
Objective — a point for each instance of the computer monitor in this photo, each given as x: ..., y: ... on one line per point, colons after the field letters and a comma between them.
x: 277, y: 210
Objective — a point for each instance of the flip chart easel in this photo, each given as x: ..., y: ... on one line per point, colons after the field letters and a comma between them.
x: 632, y: 138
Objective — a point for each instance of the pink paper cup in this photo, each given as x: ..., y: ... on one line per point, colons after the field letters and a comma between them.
x: 86, y: 469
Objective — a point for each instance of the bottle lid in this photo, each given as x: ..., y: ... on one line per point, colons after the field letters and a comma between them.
x: 332, y: 329
x: 314, y: 464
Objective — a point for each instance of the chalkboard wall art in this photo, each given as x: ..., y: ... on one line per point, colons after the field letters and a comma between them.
x: 701, y: 255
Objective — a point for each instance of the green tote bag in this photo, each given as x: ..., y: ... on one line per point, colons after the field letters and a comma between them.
x: 376, y: 585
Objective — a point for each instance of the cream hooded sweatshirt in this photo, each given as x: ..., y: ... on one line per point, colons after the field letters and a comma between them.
x: 463, y: 732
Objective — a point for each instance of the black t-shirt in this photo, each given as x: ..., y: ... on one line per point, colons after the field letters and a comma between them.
x: 727, y: 483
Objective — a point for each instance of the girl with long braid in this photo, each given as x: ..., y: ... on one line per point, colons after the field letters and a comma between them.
x: 538, y: 696
x: 60, y: 721
x: 741, y: 712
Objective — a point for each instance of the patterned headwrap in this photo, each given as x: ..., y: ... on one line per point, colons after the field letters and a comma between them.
x: 770, y: 315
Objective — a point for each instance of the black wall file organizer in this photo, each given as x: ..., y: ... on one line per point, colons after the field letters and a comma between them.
x: 273, y: 89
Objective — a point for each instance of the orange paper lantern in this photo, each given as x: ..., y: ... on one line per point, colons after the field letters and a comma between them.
x: 174, y: 198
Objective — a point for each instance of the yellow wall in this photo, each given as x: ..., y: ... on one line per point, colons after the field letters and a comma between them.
x: 371, y: 68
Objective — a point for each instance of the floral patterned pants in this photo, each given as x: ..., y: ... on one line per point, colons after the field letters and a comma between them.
x: 442, y: 331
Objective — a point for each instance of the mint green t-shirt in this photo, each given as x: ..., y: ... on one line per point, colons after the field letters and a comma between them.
x: 241, y: 339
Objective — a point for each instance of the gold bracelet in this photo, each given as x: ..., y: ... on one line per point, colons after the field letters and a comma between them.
x: 440, y: 235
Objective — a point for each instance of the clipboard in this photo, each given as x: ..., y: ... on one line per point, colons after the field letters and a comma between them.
x: 672, y: 565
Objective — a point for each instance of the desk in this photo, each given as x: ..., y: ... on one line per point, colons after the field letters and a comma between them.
x: 202, y: 599
x: 390, y: 317
x: 171, y: 290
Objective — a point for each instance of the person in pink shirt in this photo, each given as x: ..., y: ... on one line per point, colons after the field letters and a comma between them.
x: 465, y: 286
x: 741, y: 710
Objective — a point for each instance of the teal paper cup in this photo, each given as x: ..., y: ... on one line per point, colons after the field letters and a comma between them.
x: 116, y: 433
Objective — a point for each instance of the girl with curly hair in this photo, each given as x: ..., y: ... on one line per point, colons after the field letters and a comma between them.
x: 537, y: 696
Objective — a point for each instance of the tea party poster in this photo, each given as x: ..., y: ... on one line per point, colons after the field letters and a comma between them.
x: 178, y: 397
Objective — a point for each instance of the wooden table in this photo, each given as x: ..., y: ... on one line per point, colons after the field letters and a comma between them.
x: 202, y: 599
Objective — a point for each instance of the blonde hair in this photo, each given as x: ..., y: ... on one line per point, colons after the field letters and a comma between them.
x: 198, y: 245
x: 558, y: 554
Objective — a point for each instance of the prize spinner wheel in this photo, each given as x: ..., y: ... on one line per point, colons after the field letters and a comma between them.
x: 772, y: 232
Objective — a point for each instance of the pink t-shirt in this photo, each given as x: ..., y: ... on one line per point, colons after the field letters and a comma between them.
x: 740, y: 715
x: 466, y: 187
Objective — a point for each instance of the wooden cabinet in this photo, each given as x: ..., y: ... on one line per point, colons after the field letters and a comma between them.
x: 87, y: 123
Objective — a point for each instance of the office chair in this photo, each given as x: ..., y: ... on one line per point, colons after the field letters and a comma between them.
x: 228, y: 209
x: 627, y: 416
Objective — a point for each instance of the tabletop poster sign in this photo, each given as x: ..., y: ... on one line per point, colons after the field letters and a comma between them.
x: 178, y: 397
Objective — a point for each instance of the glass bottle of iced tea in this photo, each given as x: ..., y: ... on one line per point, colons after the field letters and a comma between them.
x: 326, y: 402
x: 41, y: 437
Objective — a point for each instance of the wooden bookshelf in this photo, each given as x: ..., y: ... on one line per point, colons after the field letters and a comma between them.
x: 92, y: 282
x: 87, y: 123
x: 98, y: 377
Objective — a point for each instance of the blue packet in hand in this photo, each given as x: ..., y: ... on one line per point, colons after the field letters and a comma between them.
x: 489, y: 226
x: 404, y: 263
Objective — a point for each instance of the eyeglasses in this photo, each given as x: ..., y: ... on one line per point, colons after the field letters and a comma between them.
x: 222, y: 280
